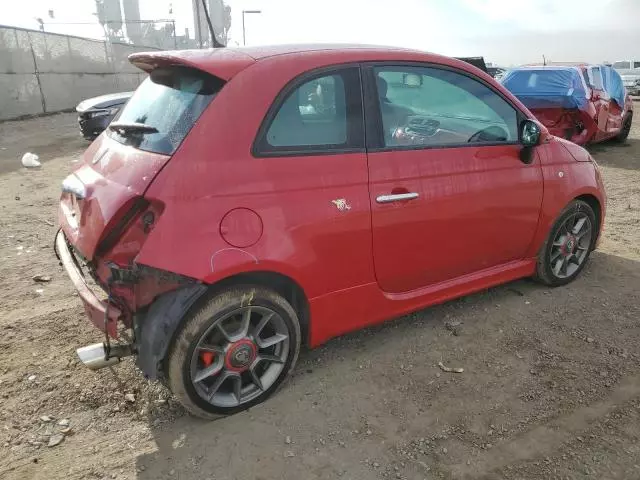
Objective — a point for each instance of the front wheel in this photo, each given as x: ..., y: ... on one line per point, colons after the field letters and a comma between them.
x: 233, y: 352
x: 626, y: 128
x: 570, y: 242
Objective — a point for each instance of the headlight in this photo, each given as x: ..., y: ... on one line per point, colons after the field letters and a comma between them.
x: 637, y: 82
x: 100, y: 113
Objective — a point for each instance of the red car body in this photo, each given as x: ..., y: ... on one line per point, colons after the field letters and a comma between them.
x: 598, y: 118
x: 216, y: 212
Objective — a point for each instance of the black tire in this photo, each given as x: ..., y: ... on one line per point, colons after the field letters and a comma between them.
x: 178, y: 364
x: 544, y: 271
x: 626, y: 128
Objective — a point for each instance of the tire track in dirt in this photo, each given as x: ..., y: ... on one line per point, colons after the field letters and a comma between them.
x: 544, y: 440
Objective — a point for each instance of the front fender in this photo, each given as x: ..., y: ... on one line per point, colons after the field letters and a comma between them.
x: 565, y: 179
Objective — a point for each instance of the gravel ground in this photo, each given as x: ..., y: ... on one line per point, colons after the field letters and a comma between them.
x: 550, y: 387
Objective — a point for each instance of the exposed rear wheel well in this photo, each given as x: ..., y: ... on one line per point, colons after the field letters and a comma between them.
x: 285, y: 286
x: 595, y: 205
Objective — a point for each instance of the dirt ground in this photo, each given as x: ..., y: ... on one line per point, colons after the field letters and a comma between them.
x: 550, y: 389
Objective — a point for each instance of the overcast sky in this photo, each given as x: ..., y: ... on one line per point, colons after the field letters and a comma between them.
x: 503, y: 31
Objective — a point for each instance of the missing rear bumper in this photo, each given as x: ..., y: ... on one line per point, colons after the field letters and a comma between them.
x: 94, y: 307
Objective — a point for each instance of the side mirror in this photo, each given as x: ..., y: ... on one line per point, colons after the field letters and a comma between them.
x: 529, y: 138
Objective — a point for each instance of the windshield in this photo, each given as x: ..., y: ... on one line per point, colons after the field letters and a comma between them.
x: 164, y: 108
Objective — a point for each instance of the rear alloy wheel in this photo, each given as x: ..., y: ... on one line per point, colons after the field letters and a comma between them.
x: 568, y: 246
x: 626, y: 128
x: 233, y: 352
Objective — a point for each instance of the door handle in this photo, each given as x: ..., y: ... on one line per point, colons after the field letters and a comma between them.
x: 396, y: 198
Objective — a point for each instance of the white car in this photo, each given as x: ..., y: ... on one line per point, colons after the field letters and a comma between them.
x: 629, y: 70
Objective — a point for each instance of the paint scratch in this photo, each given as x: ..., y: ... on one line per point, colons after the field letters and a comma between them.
x: 223, y: 250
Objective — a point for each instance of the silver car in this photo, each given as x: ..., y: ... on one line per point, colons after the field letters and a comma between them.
x: 629, y: 70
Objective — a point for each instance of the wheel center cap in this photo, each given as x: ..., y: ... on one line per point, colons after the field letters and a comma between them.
x: 570, y: 245
x: 241, y: 355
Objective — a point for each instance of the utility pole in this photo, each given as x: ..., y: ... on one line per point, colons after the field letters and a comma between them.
x: 196, y: 9
x: 244, y: 36
x: 214, y: 41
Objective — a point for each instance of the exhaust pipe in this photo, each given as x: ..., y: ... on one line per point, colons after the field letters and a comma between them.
x: 95, y: 356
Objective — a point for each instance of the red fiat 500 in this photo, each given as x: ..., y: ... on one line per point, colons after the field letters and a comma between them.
x: 245, y: 202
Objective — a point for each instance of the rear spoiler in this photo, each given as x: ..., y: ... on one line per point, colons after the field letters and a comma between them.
x: 223, y: 63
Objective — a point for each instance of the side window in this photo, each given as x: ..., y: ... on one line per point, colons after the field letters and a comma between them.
x: 636, y: 64
x: 596, y: 78
x: 320, y: 115
x: 434, y: 107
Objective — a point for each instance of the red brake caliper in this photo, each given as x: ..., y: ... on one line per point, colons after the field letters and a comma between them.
x: 207, y: 358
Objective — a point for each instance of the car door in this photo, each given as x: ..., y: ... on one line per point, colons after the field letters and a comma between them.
x: 309, y: 181
x: 600, y: 99
x: 449, y: 193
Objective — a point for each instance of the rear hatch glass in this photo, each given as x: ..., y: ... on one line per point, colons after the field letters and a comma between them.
x: 120, y: 165
x: 164, y: 108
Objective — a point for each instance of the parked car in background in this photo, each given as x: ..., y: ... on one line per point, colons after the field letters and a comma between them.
x: 581, y: 103
x: 359, y: 184
x: 94, y: 114
x: 629, y: 70
x: 477, y: 62
x: 496, y: 72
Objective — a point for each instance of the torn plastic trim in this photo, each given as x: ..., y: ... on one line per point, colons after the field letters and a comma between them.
x: 155, y: 329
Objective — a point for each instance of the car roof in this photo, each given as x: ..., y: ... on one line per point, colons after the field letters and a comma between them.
x: 227, y: 62
x: 559, y: 64
x: 262, y: 52
x: 549, y: 68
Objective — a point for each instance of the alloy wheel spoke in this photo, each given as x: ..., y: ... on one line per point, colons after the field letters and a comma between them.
x: 578, y: 226
x: 558, y: 266
x: 255, y: 377
x: 208, y: 371
x: 270, y: 358
x: 555, y: 255
x: 205, y: 347
x: 269, y: 342
x: 244, y: 325
x: 261, y: 324
x: 217, y: 384
x: 225, y: 334
x: 563, y: 266
x: 581, y: 235
x: 237, y: 386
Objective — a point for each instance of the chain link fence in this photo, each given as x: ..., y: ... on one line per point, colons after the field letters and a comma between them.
x: 48, y: 72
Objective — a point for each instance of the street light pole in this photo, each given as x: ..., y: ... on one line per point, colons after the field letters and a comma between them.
x: 244, y: 37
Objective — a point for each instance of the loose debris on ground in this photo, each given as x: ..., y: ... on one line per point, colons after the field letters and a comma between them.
x: 550, y: 390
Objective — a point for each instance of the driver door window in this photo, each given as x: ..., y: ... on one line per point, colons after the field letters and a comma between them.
x: 421, y: 106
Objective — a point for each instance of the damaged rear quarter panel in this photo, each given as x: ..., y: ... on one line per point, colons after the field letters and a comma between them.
x: 305, y: 236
